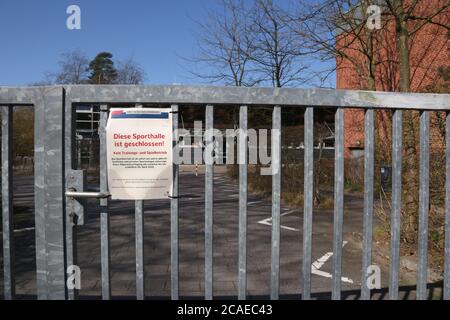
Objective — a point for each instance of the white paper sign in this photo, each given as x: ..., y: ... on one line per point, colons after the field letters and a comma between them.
x: 139, y: 151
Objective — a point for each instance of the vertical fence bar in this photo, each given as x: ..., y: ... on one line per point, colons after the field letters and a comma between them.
x: 276, y: 203
x: 139, y: 242
x: 49, y: 194
x: 104, y: 210
x: 140, y: 266
x: 7, y: 203
x: 396, y: 203
x: 209, y: 195
x: 369, y: 152
x: 70, y: 145
x: 424, y: 193
x: 39, y: 201
x: 243, y: 160
x: 174, y: 266
x: 338, y: 203
x: 447, y: 210
x: 308, y: 188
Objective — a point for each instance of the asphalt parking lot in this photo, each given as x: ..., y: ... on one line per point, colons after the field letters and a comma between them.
x: 191, y: 250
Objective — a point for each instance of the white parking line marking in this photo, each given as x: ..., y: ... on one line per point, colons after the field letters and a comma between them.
x: 316, y: 265
x: 24, y: 229
x: 21, y: 230
x: 268, y: 221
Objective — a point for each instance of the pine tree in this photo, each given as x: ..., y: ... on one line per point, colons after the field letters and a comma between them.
x: 102, y: 69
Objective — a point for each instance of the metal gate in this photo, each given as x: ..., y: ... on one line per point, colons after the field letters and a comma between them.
x: 59, y: 189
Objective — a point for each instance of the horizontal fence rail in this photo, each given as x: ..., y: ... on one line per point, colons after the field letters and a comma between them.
x: 54, y: 172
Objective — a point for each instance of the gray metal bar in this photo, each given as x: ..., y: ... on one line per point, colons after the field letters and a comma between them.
x: 7, y: 204
x: 338, y: 203
x: 243, y: 160
x: 369, y: 152
x: 87, y: 195
x: 201, y: 95
x: 75, y: 216
x: 209, y: 195
x: 308, y: 200
x: 54, y: 193
x: 71, y: 227
x: 233, y: 95
x: 447, y: 210
x: 140, y: 265
x: 49, y: 194
x: 39, y: 201
x: 276, y: 203
x: 139, y: 232
x: 174, y: 265
x: 396, y: 203
x: 104, y: 210
x: 424, y: 201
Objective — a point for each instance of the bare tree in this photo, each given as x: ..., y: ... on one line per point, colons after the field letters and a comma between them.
x: 335, y: 31
x: 277, y: 53
x: 409, y: 18
x: 73, y: 68
x: 225, y: 46
x: 129, y: 72
x: 382, y: 59
x: 249, y: 44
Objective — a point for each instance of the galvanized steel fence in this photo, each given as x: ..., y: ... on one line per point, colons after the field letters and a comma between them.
x: 59, y: 189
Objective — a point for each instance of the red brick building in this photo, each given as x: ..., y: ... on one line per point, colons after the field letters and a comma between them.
x: 429, y: 51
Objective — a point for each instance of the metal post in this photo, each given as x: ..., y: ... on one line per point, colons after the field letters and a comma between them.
x: 447, y: 210
x: 209, y: 205
x: 39, y: 202
x: 424, y: 201
x: 369, y: 151
x: 308, y: 200
x: 174, y: 265
x: 7, y: 203
x: 276, y: 203
x: 338, y: 203
x: 104, y: 209
x: 396, y: 204
x: 139, y: 231
x: 49, y: 194
x: 243, y: 160
x: 71, y: 160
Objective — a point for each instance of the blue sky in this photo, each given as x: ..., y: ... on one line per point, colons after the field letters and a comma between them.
x: 155, y: 33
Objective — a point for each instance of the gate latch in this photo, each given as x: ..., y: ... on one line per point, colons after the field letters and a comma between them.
x: 76, y: 180
x: 73, y: 193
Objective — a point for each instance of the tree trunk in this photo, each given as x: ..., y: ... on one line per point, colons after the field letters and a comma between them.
x: 403, y: 51
x: 410, y: 142
x: 371, y: 68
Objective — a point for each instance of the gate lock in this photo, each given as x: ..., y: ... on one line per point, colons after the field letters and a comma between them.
x: 76, y: 203
x: 76, y: 196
